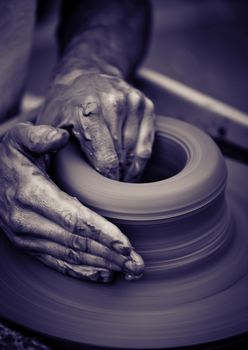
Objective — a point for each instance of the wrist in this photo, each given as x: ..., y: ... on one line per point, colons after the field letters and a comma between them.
x: 93, y: 51
x: 67, y: 76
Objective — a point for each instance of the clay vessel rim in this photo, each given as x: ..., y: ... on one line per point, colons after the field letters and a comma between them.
x: 143, y: 201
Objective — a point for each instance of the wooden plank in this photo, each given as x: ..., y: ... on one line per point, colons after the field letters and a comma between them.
x: 221, y: 120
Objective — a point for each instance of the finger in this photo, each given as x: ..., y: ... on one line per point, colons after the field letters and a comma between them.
x: 135, y: 109
x: 29, y: 244
x: 133, y: 266
x: 144, y: 144
x: 26, y: 223
x: 38, y: 138
x: 114, y: 112
x: 95, y: 139
x: 88, y: 273
x: 46, y: 199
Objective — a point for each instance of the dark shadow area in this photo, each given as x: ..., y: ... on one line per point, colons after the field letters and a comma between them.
x: 232, y: 343
x: 232, y: 151
x: 167, y: 152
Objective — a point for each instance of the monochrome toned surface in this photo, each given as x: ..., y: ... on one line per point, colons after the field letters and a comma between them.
x: 192, y: 281
x: 195, y: 265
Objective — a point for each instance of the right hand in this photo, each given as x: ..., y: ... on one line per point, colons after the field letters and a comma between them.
x: 113, y: 122
x: 49, y: 224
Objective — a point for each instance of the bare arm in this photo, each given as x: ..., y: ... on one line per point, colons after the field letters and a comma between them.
x: 104, y: 34
x: 101, y: 44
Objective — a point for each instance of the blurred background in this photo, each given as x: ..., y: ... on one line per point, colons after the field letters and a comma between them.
x: 201, y: 43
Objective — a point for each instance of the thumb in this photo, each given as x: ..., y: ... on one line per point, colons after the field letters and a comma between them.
x: 38, y: 138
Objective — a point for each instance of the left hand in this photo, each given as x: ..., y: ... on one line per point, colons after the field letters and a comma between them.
x: 49, y: 224
x: 113, y: 121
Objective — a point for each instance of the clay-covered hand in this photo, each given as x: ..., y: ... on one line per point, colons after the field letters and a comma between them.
x: 49, y: 224
x: 113, y: 121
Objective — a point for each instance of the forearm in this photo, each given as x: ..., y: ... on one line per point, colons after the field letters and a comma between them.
x: 103, y: 36
x: 102, y: 42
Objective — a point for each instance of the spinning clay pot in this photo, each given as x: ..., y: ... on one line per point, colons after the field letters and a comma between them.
x: 177, y: 216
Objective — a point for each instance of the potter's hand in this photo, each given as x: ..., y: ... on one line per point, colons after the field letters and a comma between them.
x: 113, y: 122
x: 49, y: 224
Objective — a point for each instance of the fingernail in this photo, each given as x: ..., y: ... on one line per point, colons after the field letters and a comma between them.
x: 51, y: 135
x: 95, y: 276
x: 105, y: 276
x: 112, y: 174
x: 120, y: 248
x: 101, y: 276
x: 128, y: 266
x: 130, y: 277
x: 133, y: 267
x: 64, y: 133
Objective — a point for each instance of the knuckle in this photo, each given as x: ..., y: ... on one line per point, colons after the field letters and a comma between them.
x: 134, y: 98
x: 24, y: 194
x: 15, y: 222
x: 71, y: 256
x: 69, y: 219
x: 149, y: 105
x: 116, y: 100
x: 61, y: 266
x: 144, y: 149
x: 75, y: 241
x: 95, y: 233
x: 145, y: 153
x: 87, y: 245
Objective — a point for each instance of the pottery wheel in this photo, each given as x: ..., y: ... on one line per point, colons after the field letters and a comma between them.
x: 197, y: 307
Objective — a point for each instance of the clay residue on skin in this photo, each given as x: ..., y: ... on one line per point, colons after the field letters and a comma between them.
x: 68, y: 78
